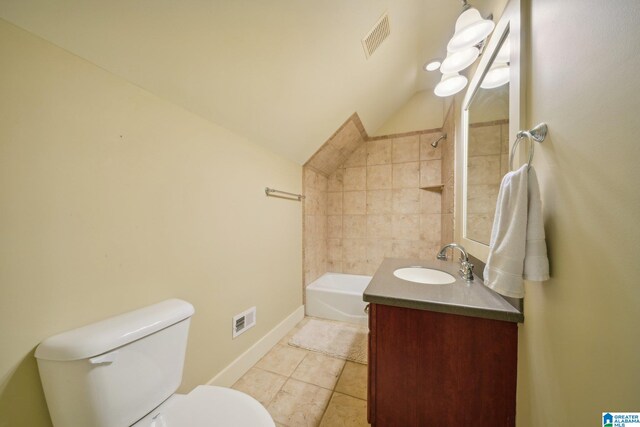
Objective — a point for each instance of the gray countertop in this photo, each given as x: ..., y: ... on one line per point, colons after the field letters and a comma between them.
x: 467, y: 299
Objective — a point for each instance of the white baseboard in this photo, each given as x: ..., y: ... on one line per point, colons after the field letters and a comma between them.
x: 236, y: 369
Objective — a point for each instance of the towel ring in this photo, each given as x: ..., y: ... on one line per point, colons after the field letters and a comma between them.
x: 537, y: 134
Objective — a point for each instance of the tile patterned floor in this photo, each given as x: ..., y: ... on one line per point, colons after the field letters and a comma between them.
x: 302, y: 388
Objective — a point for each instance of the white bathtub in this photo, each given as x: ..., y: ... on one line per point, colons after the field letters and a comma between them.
x: 338, y: 296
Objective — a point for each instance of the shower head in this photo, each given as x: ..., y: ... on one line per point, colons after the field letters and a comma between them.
x: 434, y: 144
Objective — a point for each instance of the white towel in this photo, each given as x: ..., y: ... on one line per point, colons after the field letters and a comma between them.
x: 536, y: 263
x: 517, y: 244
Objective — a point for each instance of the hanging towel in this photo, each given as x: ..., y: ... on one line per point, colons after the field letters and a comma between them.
x: 536, y: 263
x: 517, y: 243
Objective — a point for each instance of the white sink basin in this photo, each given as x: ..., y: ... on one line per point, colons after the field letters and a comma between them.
x: 424, y: 275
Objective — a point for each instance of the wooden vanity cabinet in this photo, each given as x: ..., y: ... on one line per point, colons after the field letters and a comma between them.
x: 437, y: 369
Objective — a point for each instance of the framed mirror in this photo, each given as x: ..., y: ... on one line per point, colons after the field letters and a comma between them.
x: 490, y: 114
x: 487, y: 153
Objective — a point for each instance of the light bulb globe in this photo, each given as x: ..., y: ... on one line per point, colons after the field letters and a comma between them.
x: 450, y: 84
x: 458, y: 61
x: 470, y: 30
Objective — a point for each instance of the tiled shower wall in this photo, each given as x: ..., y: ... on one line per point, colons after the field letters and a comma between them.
x: 375, y: 207
x: 487, y: 164
x: 314, y: 248
x: 372, y: 205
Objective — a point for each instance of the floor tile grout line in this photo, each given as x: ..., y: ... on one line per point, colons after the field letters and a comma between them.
x: 343, y: 392
x: 333, y: 392
x: 331, y: 357
x: 279, y: 373
x: 287, y: 378
x: 312, y: 384
x: 266, y: 405
x: 300, y: 362
x: 290, y: 376
x: 350, y: 395
x: 327, y: 407
x: 275, y: 394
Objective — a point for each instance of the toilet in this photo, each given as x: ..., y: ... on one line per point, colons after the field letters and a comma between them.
x: 124, y: 371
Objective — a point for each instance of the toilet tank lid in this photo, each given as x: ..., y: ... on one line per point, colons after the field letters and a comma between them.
x: 114, y: 332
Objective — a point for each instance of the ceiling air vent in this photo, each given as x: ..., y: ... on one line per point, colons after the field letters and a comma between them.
x: 376, y: 36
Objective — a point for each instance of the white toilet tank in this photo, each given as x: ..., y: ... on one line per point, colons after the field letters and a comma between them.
x: 112, y: 373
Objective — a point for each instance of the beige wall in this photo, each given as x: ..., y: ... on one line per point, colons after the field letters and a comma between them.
x: 579, y: 346
x: 113, y: 199
x: 423, y: 110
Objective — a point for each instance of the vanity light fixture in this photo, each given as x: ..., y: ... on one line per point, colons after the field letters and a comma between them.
x: 471, y: 31
x: 458, y: 61
x: 497, y: 75
x: 450, y: 84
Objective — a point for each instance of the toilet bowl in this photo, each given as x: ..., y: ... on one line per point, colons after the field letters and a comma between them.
x: 125, y: 370
x: 208, y: 406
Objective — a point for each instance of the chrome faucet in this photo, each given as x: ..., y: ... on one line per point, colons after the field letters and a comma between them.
x: 466, y: 268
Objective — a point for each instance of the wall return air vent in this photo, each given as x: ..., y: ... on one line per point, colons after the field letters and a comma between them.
x: 376, y: 36
x: 244, y: 321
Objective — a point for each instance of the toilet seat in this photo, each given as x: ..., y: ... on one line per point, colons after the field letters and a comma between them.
x: 209, y: 406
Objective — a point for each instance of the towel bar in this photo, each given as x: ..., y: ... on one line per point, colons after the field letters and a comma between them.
x: 272, y: 192
x: 537, y: 134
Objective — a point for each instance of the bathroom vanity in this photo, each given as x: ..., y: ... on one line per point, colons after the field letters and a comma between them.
x: 439, y: 355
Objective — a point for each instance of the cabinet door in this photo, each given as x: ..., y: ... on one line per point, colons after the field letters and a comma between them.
x: 437, y: 369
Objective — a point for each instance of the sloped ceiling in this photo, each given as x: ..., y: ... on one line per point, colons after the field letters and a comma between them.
x: 283, y: 73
